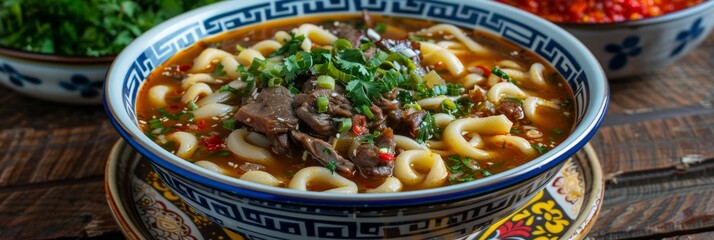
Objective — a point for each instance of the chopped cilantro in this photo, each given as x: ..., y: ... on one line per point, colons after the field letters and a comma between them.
x: 500, y: 73
x: 168, y: 115
x: 296, y: 64
x: 229, y: 124
x: 427, y: 129
x: 218, y: 71
x: 515, y: 131
x: 518, y: 100
x: 380, y: 27
x: 541, y: 149
x: 221, y: 153
x: 331, y: 166
x: 369, y: 137
x: 291, y: 46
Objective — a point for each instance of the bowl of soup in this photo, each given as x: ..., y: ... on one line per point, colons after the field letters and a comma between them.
x: 356, y: 120
x: 630, y: 38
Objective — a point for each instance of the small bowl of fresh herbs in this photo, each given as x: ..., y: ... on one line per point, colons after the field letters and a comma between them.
x: 60, y: 50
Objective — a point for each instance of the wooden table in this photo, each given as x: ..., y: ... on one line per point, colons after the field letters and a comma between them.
x: 656, y: 147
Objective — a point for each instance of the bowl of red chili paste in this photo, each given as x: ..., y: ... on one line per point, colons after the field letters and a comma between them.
x: 630, y: 37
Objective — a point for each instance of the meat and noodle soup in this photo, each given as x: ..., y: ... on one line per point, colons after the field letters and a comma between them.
x: 356, y: 104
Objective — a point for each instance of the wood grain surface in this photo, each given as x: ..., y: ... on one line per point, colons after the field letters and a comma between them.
x: 656, y: 147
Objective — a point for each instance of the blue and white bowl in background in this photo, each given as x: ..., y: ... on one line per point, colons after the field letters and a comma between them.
x: 263, y: 212
x: 75, y: 80
x: 631, y: 48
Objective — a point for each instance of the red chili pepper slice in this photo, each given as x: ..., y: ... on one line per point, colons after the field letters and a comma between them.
x: 184, y: 67
x: 201, y: 124
x: 213, y: 143
x: 359, y: 124
x: 484, y: 69
x: 174, y: 108
x: 386, y: 157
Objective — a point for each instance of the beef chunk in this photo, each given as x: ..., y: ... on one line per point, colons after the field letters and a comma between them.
x: 512, y: 110
x: 305, y: 107
x: 321, y: 123
x: 377, y: 122
x: 367, y: 156
x: 248, y: 166
x: 271, y: 112
x: 347, y: 31
x: 280, y: 144
x: 324, y: 153
x: 413, y: 121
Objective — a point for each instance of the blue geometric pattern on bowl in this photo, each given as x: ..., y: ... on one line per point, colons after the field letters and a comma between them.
x: 629, y: 48
x: 688, y: 35
x: 86, y: 87
x: 463, y: 15
x: 259, y: 219
x: 17, y: 78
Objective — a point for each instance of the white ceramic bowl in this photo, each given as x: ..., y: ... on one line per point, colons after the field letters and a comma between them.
x: 77, y: 80
x: 262, y: 212
x: 634, y: 47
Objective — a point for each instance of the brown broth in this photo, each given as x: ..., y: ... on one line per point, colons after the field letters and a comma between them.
x: 555, y: 129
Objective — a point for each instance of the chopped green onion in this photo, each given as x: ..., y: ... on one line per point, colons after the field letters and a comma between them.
x: 155, y: 123
x: 192, y: 106
x: 367, y: 112
x: 322, y: 103
x: 293, y: 89
x: 454, y: 89
x: 239, y: 48
x: 229, y: 124
x: 344, y: 125
x: 448, y: 106
x: 486, y: 173
x: 326, y: 82
x: 415, y: 106
x: 384, y: 150
x: 341, y: 44
x: 275, y: 81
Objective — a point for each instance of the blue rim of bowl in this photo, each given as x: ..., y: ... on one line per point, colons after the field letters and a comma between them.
x: 591, y: 121
x: 682, y: 13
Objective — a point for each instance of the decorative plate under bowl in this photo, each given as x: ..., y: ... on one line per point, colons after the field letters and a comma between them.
x: 145, y: 208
